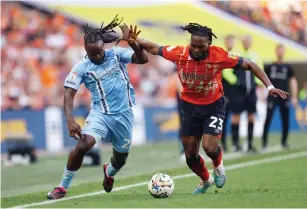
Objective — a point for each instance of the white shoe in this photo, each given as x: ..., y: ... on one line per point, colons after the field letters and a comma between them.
x: 204, y: 186
x: 219, y: 175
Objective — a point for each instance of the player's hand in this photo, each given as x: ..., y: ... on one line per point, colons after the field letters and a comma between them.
x: 74, y: 129
x: 125, y: 31
x: 277, y: 92
x: 133, y: 33
x: 129, y: 34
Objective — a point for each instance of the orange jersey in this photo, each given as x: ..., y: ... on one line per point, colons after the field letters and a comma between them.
x: 201, y: 80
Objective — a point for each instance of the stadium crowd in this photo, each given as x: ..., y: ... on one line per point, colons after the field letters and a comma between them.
x: 36, y: 59
x: 287, y: 18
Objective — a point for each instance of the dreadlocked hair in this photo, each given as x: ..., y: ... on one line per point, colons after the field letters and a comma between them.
x: 199, y: 30
x: 99, y: 34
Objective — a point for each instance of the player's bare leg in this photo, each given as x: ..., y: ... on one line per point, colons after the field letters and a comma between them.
x: 235, y: 120
x: 118, y: 160
x: 251, y: 119
x: 213, y: 150
x: 196, y: 163
x: 74, y: 162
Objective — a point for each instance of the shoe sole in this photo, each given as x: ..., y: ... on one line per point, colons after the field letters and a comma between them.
x: 51, y: 198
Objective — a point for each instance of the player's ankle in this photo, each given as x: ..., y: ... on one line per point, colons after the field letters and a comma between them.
x: 218, y: 166
x: 63, y: 188
x: 209, y: 180
x: 110, y: 177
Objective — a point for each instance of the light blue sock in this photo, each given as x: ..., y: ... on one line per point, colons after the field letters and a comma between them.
x: 111, y: 171
x: 67, y: 178
x: 181, y: 148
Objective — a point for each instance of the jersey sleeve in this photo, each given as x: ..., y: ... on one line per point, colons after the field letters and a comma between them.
x: 75, y: 77
x: 229, y: 60
x: 170, y: 53
x: 125, y: 55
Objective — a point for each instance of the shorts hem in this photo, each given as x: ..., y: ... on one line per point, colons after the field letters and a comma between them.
x: 216, y: 135
x: 191, y: 135
x: 121, y: 151
x: 96, y: 136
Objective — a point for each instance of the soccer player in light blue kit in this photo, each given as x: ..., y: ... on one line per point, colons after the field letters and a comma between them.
x: 104, y: 74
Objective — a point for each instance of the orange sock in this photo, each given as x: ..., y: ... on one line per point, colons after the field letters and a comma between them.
x: 218, y: 160
x: 199, y: 168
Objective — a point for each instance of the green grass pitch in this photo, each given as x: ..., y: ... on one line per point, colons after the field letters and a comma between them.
x: 274, y: 179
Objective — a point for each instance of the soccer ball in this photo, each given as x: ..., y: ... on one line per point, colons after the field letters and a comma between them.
x: 161, y: 185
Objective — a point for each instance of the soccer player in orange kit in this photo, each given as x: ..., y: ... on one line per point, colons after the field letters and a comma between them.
x: 203, y: 105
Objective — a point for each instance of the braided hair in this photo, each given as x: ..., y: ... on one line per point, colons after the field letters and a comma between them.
x: 99, y: 34
x: 199, y: 30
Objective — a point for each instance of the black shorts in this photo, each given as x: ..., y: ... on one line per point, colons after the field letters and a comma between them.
x: 202, y: 119
x: 240, y: 101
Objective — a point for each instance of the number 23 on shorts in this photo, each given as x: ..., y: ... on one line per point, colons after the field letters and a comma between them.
x: 216, y: 123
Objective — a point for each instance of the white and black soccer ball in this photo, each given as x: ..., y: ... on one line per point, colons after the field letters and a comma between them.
x: 161, y: 185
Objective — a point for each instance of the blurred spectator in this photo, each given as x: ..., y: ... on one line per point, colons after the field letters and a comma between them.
x: 286, y: 18
x: 36, y: 59
x: 303, y: 92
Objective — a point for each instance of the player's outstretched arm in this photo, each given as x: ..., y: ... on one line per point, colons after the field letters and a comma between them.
x: 139, y: 56
x: 259, y: 73
x: 130, y: 35
x: 73, y: 126
x: 151, y: 47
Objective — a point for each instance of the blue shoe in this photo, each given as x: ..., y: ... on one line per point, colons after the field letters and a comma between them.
x: 204, y: 186
x: 219, y: 176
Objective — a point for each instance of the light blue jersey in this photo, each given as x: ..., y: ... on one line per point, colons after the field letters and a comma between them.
x: 108, y: 82
x: 111, y: 116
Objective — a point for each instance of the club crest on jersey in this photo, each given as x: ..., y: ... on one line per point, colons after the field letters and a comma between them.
x: 232, y: 56
x: 73, y: 75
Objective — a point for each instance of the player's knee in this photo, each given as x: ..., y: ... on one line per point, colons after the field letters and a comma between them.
x: 213, y: 152
x: 211, y: 145
x: 118, y: 160
x: 84, y: 145
x: 210, y: 149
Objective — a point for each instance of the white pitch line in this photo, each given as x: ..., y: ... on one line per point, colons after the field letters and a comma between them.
x: 231, y: 167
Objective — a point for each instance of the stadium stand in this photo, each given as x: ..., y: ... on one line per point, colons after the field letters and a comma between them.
x: 286, y: 18
x: 36, y: 59
x: 32, y: 55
